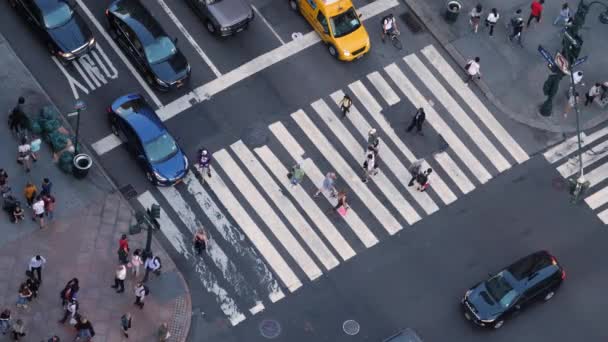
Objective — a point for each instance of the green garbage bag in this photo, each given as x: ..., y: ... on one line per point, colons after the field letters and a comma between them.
x: 58, y: 141
x: 66, y: 161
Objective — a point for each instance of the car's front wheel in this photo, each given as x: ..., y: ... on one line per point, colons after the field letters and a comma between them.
x: 210, y: 27
x: 499, y: 324
x: 332, y: 51
x: 150, y: 177
x: 549, y: 295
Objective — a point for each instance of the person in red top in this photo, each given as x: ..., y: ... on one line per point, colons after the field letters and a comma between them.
x: 536, y: 10
x: 123, y: 243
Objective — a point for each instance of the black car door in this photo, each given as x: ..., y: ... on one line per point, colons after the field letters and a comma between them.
x: 128, y: 41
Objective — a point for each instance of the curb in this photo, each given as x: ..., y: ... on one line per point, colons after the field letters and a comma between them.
x: 443, y: 37
x: 187, y: 305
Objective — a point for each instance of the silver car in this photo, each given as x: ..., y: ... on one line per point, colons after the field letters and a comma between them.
x: 223, y: 17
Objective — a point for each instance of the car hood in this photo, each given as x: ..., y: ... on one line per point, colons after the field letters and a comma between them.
x: 354, y: 40
x: 71, y: 35
x: 230, y: 12
x: 171, y: 70
x: 172, y: 168
x: 482, y: 304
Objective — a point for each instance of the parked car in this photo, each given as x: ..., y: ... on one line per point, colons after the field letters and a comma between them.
x: 405, y: 335
x: 223, y: 17
x: 143, y: 39
x: 64, y: 32
x: 492, y: 301
x: 146, y: 137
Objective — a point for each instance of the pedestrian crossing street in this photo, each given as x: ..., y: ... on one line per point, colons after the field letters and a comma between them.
x: 269, y: 238
x: 565, y: 156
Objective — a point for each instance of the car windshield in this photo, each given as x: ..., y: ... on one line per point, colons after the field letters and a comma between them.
x: 344, y: 23
x: 160, y: 50
x: 58, y: 15
x: 500, y: 289
x: 161, y: 148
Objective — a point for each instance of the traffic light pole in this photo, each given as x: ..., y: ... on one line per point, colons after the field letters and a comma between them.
x: 150, y: 219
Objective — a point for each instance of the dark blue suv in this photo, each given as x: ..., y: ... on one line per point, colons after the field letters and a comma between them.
x: 138, y: 126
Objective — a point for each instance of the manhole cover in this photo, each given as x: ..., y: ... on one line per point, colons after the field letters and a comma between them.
x: 270, y: 328
x: 351, y: 327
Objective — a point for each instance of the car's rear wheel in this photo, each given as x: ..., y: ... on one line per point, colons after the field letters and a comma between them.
x: 210, y: 27
x: 499, y: 324
x: 332, y: 51
x: 549, y: 295
x: 293, y: 4
x: 114, y: 129
x: 149, y: 177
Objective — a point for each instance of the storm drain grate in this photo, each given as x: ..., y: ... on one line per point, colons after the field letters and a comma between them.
x: 412, y: 22
x: 351, y: 327
x: 270, y: 328
x: 128, y: 191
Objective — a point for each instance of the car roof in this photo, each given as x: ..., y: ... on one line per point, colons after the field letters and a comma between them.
x: 530, y: 264
x: 141, y: 117
x: 134, y: 14
x: 333, y: 7
x: 46, y: 5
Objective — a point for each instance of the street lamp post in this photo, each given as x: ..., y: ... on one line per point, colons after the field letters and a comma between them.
x: 79, y: 106
x: 150, y: 219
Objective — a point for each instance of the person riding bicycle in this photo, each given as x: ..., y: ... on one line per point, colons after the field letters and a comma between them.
x: 389, y: 26
x: 204, y: 161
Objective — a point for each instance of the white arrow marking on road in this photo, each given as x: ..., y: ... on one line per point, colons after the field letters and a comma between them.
x: 92, y: 70
x: 71, y: 80
x: 114, y: 74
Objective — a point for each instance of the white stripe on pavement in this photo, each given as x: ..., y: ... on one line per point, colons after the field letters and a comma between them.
x: 255, y: 235
x: 597, y: 199
x: 385, y: 90
x: 392, y: 161
x: 566, y: 147
x: 259, y: 14
x: 451, y: 168
x: 290, y: 212
x: 603, y: 216
x: 215, y: 252
x: 454, y: 109
x: 357, y: 151
x: 474, y: 103
x: 325, y: 226
x: 590, y: 156
x: 259, y: 307
x: 106, y: 144
x: 234, y: 237
x: 438, y: 124
x: 341, y: 166
x: 191, y: 40
x: 176, y: 238
x: 597, y: 175
x: 267, y: 214
x: 295, y: 150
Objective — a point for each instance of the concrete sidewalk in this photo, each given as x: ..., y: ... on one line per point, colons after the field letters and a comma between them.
x: 81, y: 241
x: 513, y: 77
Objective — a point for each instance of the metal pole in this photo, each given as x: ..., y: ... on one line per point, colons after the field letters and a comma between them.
x: 148, y: 250
x: 578, y: 127
x: 77, y: 132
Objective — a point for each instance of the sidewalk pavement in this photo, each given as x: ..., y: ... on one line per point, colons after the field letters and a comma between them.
x: 513, y: 77
x: 81, y: 241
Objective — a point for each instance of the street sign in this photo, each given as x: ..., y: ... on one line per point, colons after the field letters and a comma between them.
x: 580, y: 61
x: 546, y: 55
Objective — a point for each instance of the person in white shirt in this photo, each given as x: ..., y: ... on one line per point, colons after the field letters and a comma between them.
x: 492, y: 19
x: 389, y: 25
x: 136, y: 262
x: 475, y: 17
x: 564, y: 14
x: 473, y: 69
x: 140, y: 294
x: 35, y: 266
x: 119, y: 280
x: 153, y: 264
x: 593, y: 93
x: 24, y: 152
x: 38, y: 208
x: 71, y: 309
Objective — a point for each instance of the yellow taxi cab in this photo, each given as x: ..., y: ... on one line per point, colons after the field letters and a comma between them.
x: 338, y: 24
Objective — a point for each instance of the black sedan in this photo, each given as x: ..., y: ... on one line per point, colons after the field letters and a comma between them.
x: 138, y: 126
x: 65, y: 33
x: 146, y: 43
x: 536, y: 276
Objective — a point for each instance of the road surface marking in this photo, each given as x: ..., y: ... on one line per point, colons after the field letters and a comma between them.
x: 565, y: 148
x: 106, y: 144
x: 259, y: 307
x: 289, y: 211
x: 350, y: 177
x: 603, y: 216
x: 408, y: 89
x: 597, y: 199
x: 312, y: 171
x: 452, y: 170
x: 124, y: 59
x: 357, y: 151
x: 71, y: 80
x: 176, y: 238
x: 454, y: 109
x: 190, y: 39
x: 255, y: 235
x: 234, y: 237
x: 385, y: 90
x: 474, y: 103
x: 268, y: 24
x: 589, y: 157
x: 324, y: 225
x: 267, y: 214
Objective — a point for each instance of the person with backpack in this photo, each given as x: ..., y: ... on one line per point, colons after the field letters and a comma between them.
x: 141, y: 291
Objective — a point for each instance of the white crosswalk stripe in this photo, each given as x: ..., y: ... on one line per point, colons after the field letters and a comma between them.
x: 385, y: 90
x: 450, y: 167
x: 571, y: 145
x: 571, y: 166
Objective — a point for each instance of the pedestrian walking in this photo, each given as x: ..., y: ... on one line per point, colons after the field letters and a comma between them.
x: 572, y: 100
x: 49, y: 205
x: 23, y: 297
x: 35, y: 145
x: 593, y: 93
x: 564, y: 14
x: 417, y: 121
x: 70, y: 311
x: 536, y: 11
x: 369, y: 166
x: 35, y: 267
x: 5, y: 321
x: 517, y: 27
x: 69, y: 292
x: 38, y: 210
x: 296, y: 175
x: 18, y: 330
x: 200, y: 241
x: 3, y: 178
x: 372, y: 139
x: 414, y: 170
x: 33, y: 285
x: 163, y: 332
x: 29, y: 192
x: 475, y: 17
x: 24, y: 153
x: 125, y: 324
x: 18, y: 213
x: 492, y: 19
x: 472, y: 69
x: 84, y: 330
x: 17, y: 119
x: 46, y: 186
x: 141, y: 291
x: 423, y: 179
x: 119, y: 279
x: 204, y: 162
x: 341, y: 206
x: 345, y: 104
x: 328, y: 185
x: 136, y: 262
x: 123, y: 242
x: 123, y: 255
x: 153, y: 264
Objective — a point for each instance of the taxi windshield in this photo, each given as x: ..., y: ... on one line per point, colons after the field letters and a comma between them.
x: 344, y: 23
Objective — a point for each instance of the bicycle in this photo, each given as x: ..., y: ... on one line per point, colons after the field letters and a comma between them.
x: 393, y: 35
